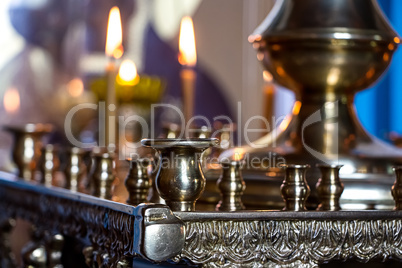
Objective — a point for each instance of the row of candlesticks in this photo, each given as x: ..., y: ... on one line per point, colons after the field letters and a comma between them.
x: 176, y: 178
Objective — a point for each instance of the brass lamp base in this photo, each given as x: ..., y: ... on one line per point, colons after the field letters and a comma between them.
x: 325, y: 51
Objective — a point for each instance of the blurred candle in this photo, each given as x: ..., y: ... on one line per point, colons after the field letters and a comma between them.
x: 75, y: 87
x: 114, y: 51
x: 11, y: 101
x: 128, y: 73
x: 188, y: 59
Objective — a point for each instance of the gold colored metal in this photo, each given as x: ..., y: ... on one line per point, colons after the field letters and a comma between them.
x: 329, y: 187
x: 26, y: 147
x: 397, y: 188
x: 49, y: 164
x: 326, y: 51
x: 294, y: 188
x: 102, y: 175
x: 170, y: 131
x: 231, y: 186
x: 54, y: 250
x: 137, y: 181
x: 75, y: 169
x: 88, y: 253
x: 180, y: 180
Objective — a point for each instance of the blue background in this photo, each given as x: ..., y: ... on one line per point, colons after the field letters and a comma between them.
x: 380, y: 107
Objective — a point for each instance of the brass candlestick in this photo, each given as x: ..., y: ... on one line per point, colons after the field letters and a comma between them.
x: 329, y: 187
x: 48, y: 164
x: 102, y: 175
x: 294, y: 188
x: 180, y: 180
x: 138, y: 182
x: 26, y: 147
x: 75, y: 169
x: 326, y: 51
x: 231, y: 186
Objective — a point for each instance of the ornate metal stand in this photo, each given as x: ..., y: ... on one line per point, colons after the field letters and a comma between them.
x: 116, y: 233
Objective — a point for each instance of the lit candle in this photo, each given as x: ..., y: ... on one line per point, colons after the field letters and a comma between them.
x: 188, y: 59
x: 128, y: 75
x: 11, y: 100
x: 114, y: 51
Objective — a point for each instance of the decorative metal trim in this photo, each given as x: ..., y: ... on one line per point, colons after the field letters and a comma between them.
x: 109, y: 227
x: 119, y: 232
x: 290, y: 243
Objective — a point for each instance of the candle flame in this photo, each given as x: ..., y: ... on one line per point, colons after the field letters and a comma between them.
x: 188, y: 54
x: 238, y: 154
x: 114, y: 35
x: 11, y: 100
x: 127, y: 72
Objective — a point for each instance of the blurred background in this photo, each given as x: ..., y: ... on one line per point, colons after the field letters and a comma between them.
x: 52, y: 57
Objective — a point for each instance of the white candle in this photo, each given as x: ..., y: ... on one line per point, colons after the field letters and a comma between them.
x: 188, y: 59
x: 113, y: 50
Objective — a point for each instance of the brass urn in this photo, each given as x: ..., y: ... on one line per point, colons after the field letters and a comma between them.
x: 326, y: 51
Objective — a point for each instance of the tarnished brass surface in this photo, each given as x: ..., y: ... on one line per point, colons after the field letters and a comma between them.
x: 180, y: 180
x: 137, y: 181
x: 102, y: 175
x: 326, y: 51
x: 294, y: 188
x: 329, y: 187
x: 26, y: 147
x: 231, y: 186
x: 49, y: 164
x: 397, y: 188
x: 75, y: 169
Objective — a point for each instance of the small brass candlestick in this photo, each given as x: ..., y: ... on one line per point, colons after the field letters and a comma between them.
x: 329, y: 187
x: 48, y: 164
x: 231, y: 186
x: 397, y: 188
x: 138, y: 182
x: 180, y: 180
x: 102, y: 175
x: 294, y: 188
x: 75, y: 168
x: 26, y: 147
